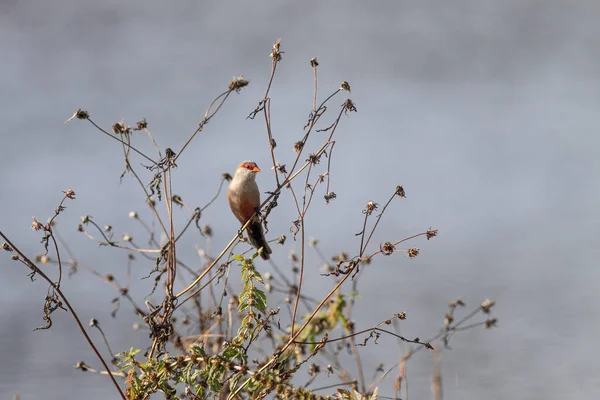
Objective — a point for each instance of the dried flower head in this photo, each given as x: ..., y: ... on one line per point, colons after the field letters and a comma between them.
x: 329, y: 196
x: 127, y: 238
x: 387, y: 248
x: 133, y: 215
x: 345, y: 86
x: 298, y: 146
x: 281, y: 239
x: 276, y: 52
x: 371, y: 206
x: 412, y: 253
x: 36, y: 225
x: 207, y: 230
x: 79, y: 114
x: 487, y: 305
x: 313, y: 62
x: 108, y: 228
x: 226, y: 176
x: 400, y: 191
x: 6, y: 247
x: 142, y: 124
x: 490, y: 323
x: 401, y: 315
x: 431, y: 233
x: 237, y: 83
x: 120, y: 128
x: 93, y: 322
x: 85, y: 219
x: 349, y: 106
x: 70, y: 194
x: 313, y: 159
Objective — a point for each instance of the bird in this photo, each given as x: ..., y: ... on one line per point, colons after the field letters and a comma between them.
x: 244, y: 199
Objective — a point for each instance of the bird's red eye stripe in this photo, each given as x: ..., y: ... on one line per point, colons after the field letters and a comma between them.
x: 249, y: 166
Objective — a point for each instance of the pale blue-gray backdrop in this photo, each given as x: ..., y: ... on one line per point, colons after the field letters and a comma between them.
x: 486, y: 112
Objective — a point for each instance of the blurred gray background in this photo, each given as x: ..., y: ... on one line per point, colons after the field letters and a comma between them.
x: 486, y: 111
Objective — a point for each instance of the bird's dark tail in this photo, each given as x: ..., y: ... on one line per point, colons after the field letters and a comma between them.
x: 257, y: 239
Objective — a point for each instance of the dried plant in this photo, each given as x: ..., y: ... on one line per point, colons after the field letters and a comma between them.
x: 209, y: 339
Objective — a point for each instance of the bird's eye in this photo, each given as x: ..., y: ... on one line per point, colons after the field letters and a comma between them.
x: 249, y: 166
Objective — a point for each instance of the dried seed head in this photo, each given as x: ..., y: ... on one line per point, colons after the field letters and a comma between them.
x: 44, y: 259
x: 6, y: 247
x: 275, y: 52
x: 133, y: 215
x: 36, y: 225
x: 70, y: 194
x: 14, y: 257
x: 400, y: 191
x: 237, y: 83
x: 281, y: 239
x: 226, y: 177
x: 142, y: 124
x: 313, y: 242
x: 401, y: 315
x: 486, y: 305
x: 387, y: 248
x: 177, y: 200
x: 371, y: 206
x: 460, y: 302
x: 79, y: 114
x: 293, y: 256
x: 349, y: 106
x: 281, y: 168
x: 345, y: 86
x: 431, y: 233
x: 412, y: 253
x: 313, y: 62
x: 127, y: 238
x: 80, y: 228
x: 329, y: 196
x: 85, y: 219
x: 490, y: 323
x: 93, y: 322
x: 298, y: 146
x: 207, y: 230
x: 120, y: 128
x: 314, y: 159
x: 108, y: 228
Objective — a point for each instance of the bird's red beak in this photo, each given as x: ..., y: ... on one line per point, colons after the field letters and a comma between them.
x: 256, y: 169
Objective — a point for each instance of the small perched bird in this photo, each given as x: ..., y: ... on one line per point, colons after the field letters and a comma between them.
x: 244, y: 200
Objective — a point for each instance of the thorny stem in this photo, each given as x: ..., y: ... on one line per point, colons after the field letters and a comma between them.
x: 66, y: 301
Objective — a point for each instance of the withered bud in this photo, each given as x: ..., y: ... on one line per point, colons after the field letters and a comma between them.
x: 207, y: 230
x: 268, y: 288
x: 460, y: 302
x: 281, y: 239
x: 79, y: 114
x: 275, y: 52
x: 313, y: 62
x: 36, y: 225
x: 268, y: 276
x: 329, y: 196
x: 85, y: 219
x: 80, y: 228
x: 133, y: 215
x: 6, y: 247
x: 127, y: 238
x: 121, y: 128
x: 343, y: 256
x: 313, y: 242
x: 448, y: 320
x: 416, y: 340
x: 401, y: 315
x: 151, y: 202
x: 349, y: 106
x: 226, y: 177
x: 298, y: 146
x: 142, y: 124
x: 280, y: 168
x: 486, y: 305
x: 345, y: 86
x: 14, y: 257
x: 400, y: 191
x: 108, y: 228
x: 44, y: 259
x: 371, y: 206
x: 412, y: 253
x: 93, y: 322
x: 287, y: 300
x: 37, y: 257
x: 293, y: 256
x: 273, y: 143
x: 387, y: 248
x: 131, y: 257
x: 70, y: 194
x: 490, y: 323
x: 237, y: 83
x: 431, y: 233
x: 110, y: 278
